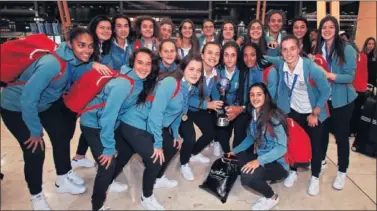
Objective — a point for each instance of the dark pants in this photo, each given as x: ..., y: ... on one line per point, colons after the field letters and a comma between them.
x: 142, y: 143
x: 239, y: 125
x: 59, y: 124
x: 338, y: 123
x: 359, y: 102
x: 105, y: 177
x: 258, y: 179
x: 169, y: 150
x: 315, y: 135
x: 205, y: 121
x: 82, y: 147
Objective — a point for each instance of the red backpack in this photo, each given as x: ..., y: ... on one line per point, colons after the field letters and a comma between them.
x: 360, y: 82
x: 299, y: 146
x: 299, y: 150
x: 84, y: 90
x: 361, y: 73
x: 18, y: 55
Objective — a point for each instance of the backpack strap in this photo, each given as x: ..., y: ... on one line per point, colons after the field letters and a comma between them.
x: 177, y: 89
x: 96, y: 106
x: 63, y: 65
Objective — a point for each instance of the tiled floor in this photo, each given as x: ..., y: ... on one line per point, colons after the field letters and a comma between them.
x: 359, y: 193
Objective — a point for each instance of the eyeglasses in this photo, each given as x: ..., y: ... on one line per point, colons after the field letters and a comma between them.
x: 208, y: 27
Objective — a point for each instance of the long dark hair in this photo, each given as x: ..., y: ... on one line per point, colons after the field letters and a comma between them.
x: 262, y: 43
x: 178, y: 74
x: 374, y: 51
x: 113, y: 21
x: 106, y: 45
x: 140, y: 20
x: 177, y: 58
x: 150, y: 82
x: 194, y: 40
x: 268, y: 115
x: 306, y: 39
x: 221, y: 36
x: 337, y: 47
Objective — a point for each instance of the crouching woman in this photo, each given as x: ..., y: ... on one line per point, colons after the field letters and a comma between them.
x: 268, y: 133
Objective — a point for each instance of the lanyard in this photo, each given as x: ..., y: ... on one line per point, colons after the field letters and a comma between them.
x: 210, y: 85
x: 293, y: 84
x: 182, y: 53
x: 328, y: 59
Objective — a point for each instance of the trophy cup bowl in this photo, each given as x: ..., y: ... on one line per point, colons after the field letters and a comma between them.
x: 222, y: 119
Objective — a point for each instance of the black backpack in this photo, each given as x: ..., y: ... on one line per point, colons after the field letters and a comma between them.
x: 366, y: 138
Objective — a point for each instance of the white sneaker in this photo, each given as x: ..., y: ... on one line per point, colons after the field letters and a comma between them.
x: 216, y: 149
x: 164, y: 182
x: 265, y: 204
x: 75, y: 178
x: 69, y: 187
x: 340, y: 180
x: 199, y: 158
x: 117, y: 187
x: 291, y: 179
x: 151, y: 203
x: 84, y: 162
x: 104, y: 208
x: 313, y: 189
x: 39, y: 202
x: 187, y: 172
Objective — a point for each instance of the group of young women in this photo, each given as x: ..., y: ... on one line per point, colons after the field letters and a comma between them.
x: 166, y: 86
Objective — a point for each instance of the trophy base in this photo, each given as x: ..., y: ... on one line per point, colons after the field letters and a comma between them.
x: 222, y: 122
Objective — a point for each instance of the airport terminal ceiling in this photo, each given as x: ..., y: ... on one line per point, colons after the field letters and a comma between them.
x: 22, y: 13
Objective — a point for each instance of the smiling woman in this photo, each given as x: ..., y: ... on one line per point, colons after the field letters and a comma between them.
x: 36, y: 105
x: 151, y: 126
x: 109, y: 150
x: 306, y: 102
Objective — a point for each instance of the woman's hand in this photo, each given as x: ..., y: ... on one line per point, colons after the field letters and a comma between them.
x: 239, y: 41
x: 250, y: 167
x: 312, y: 120
x: 178, y: 143
x: 233, y: 111
x: 215, y: 105
x: 331, y: 76
x: 158, y: 154
x: 101, y: 69
x: 105, y: 160
x: 272, y: 44
x: 34, y: 142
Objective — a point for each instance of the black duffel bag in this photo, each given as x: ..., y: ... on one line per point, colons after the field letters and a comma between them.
x: 366, y: 138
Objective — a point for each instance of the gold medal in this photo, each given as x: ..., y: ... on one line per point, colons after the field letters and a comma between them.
x: 184, y: 117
